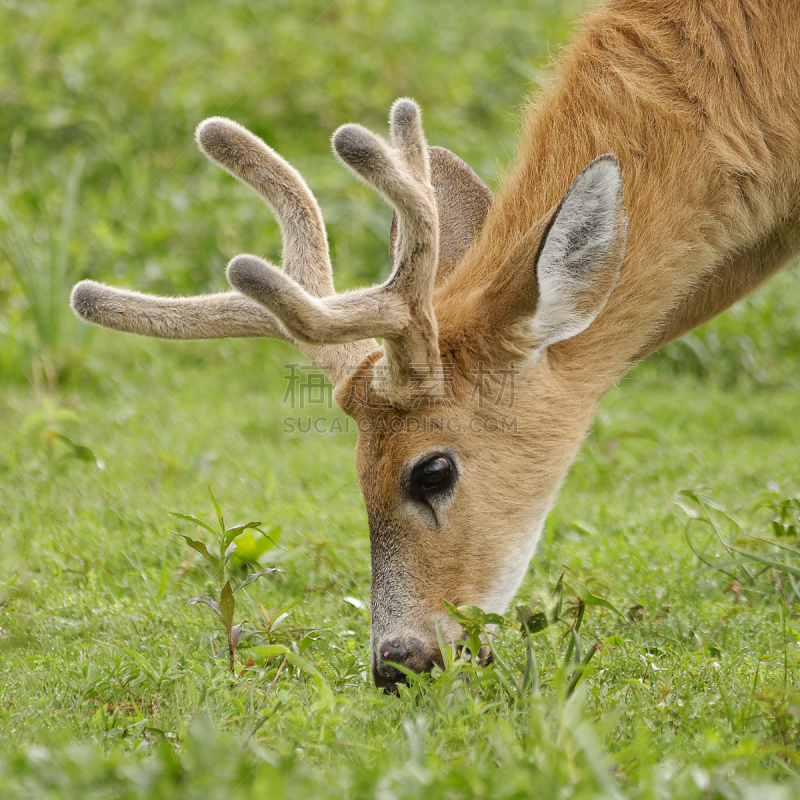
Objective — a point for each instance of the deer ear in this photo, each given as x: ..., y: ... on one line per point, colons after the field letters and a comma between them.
x: 462, y: 201
x: 560, y: 276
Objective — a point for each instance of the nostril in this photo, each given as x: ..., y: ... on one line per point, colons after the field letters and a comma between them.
x: 395, y: 650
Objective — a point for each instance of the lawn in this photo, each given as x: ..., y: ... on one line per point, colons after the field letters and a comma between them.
x: 676, y: 532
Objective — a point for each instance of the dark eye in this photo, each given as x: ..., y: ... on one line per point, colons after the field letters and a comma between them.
x: 433, y: 475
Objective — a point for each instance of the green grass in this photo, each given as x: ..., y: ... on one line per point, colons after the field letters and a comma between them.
x: 111, y: 686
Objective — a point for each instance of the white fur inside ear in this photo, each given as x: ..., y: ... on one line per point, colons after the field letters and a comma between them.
x: 575, y: 251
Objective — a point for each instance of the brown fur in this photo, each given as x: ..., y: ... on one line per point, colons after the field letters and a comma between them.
x: 700, y: 104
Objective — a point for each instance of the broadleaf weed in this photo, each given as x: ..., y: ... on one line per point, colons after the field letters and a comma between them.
x: 218, y: 564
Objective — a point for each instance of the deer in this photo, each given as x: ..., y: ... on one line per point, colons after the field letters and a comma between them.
x: 656, y: 182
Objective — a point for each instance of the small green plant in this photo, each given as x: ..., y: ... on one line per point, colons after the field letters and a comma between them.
x: 224, y: 605
x: 785, y: 520
x: 748, y: 551
x: 46, y: 430
x: 480, y: 627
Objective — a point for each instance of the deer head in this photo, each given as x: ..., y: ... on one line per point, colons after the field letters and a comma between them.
x: 468, y: 418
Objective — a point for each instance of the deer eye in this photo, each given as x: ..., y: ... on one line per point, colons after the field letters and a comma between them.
x: 431, y: 476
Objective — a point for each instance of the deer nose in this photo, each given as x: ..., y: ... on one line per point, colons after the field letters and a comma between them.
x: 392, y: 650
x: 395, y: 650
x: 409, y: 653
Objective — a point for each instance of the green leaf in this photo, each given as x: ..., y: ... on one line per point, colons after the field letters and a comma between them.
x: 580, y: 670
x: 323, y: 687
x: 236, y: 633
x: 77, y: 450
x: 535, y: 622
x: 722, y: 566
x: 472, y: 617
x: 273, y: 650
x: 273, y: 534
x: 196, y: 521
x: 444, y: 649
x: 307, y: 641
x: 200, y: 547
x: 250, y: 547
x: 255, y: 576
x: 779, y: 529
x: 530, y: 678
x: 705, y: 503
x: 218, y: 510
x: 269, y: 650
x: 212, y: 604
x: 474, y: 620
x: 227, y: 605
x: 592, y: 599
x: 557, y: 597
x: 767, y: 562
x: 232, y: 533
x: 532, y: 623
x: 690, y: 512
x: 230, y: 551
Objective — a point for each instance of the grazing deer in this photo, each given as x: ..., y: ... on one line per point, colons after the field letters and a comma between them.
x: 693, y: 107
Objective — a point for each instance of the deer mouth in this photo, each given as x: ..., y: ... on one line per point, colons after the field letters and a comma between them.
x: 388, y: 679
x: 410, y: 654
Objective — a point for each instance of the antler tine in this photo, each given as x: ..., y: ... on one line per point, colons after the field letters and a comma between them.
x: 227, y: 315
x: 231, y: 314
x: 405, y: 127
x: 402, y: 176
x: 347, y: 317
x: 248, y: 158
x: 399, y: 310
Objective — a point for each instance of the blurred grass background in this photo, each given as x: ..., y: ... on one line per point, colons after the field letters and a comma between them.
x: 99, y: 103
x: 101, y: 178
x: 101, y: 662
